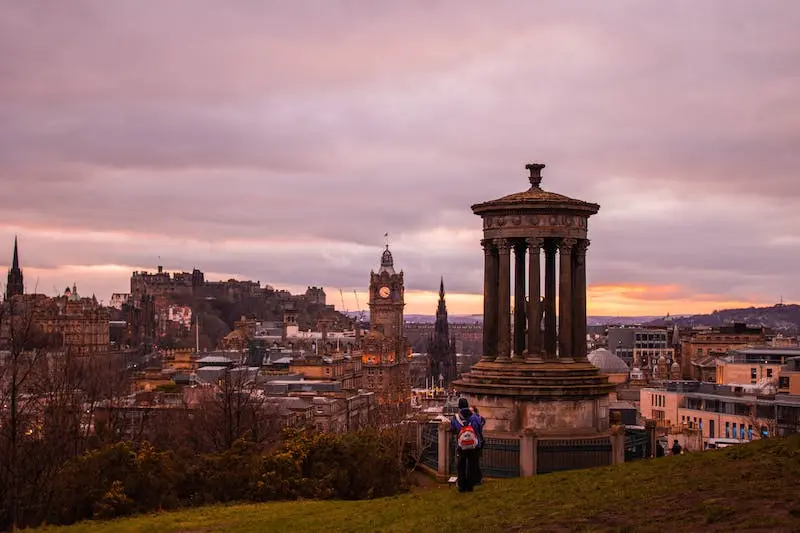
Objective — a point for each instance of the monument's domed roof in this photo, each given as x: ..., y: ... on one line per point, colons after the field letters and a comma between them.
x: 607, y: 362
x: 535, y: 198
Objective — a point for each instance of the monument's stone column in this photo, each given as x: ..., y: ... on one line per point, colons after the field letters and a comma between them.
x: 579, y: 300
x: 550, y: 340
x: 504, y: 300
x: 565, y: 299
x: 535, y: 306
x: 490, y: 285
x: 519, y: 299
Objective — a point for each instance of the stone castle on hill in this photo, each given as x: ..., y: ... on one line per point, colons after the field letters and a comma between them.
x: 177, y: 300
x: 194, y: 284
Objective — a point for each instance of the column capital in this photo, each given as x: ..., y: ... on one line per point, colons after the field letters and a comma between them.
x: 488, y: 246
x: 503, y: 245
x: 566, y: 245
x: 534, y: 242
x: 580, y: 250
x: 551, y: 244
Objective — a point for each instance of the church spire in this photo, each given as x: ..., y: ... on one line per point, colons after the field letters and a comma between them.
x: 15, y: 261
x: 441, y: 351
x: 14, y: 285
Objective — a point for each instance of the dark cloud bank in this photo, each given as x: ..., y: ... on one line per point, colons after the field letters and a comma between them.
x: 280, y: 143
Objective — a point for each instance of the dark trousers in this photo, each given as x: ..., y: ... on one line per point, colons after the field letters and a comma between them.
x: 468, y: 470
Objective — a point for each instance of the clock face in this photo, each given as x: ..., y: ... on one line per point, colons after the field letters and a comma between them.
x: 384, y: 292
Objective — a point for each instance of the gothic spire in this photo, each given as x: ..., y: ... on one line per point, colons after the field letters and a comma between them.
x: 15, y: 261
x: 441, y: 289
x: 14, y: 285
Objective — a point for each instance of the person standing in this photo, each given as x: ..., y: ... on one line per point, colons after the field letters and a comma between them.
x: 676, y: 448
x: 466, y: 425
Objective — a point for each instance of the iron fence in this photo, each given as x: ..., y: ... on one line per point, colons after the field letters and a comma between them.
x: 555, y: 455
x: 498, y: 457
x: 430, y: 446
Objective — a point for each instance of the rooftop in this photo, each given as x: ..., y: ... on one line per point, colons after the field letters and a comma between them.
x: 535, y: 198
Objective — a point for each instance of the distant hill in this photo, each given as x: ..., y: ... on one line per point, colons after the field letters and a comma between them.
x: 618, y: 320
x: 781, y: 318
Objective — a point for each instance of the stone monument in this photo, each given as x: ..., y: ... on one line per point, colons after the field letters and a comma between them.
x: 534, y: 375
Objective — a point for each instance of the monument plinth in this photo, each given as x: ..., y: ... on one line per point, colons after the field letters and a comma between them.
x: 534, y: 373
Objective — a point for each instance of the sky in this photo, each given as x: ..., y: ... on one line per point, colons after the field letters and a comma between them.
x: 279, y: 141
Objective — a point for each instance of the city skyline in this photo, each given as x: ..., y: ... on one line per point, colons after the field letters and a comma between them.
x: 266, y: 142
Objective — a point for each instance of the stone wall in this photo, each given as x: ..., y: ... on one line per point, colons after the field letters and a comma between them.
x: 508, y: 415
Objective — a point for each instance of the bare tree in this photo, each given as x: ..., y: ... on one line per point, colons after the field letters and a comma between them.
x: 232, y: 409
x: 22, y: 359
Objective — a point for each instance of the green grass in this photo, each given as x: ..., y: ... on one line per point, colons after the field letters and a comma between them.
x: 755, y: 487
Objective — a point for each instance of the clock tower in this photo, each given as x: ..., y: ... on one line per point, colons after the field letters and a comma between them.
x: 385, y: 350
x: 386, y: 298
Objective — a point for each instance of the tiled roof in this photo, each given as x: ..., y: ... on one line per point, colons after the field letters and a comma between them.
x: 535, y: 196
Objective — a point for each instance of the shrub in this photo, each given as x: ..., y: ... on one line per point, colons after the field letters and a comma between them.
x: 121, y: 479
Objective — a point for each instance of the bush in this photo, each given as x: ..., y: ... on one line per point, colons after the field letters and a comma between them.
x: 119, y: 479
x: 114, y: 481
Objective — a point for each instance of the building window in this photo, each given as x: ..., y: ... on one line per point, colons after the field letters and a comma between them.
x: 727, y: 430
x: 699, y: 352
x: 769, y: 372
x: 733, y: 432
x: 753, y: 374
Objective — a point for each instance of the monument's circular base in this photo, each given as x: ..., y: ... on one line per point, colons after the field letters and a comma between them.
x: 535, y: 381
x: 549, y: 397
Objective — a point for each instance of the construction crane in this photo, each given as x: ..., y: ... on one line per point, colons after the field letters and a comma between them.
x: 358, y: 307
x: 341, y: 294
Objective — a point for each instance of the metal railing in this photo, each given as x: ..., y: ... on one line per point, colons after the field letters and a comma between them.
x: 498, y: 457
x: 429, y: 455
x: 555, y: 455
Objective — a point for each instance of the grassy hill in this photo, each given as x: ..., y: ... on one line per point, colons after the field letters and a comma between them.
x: 755, y: 487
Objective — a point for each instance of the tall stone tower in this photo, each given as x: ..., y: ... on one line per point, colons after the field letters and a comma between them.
x: 386, y: 298
x: 385, y: 349
x: 14, y: 285
x: 534, y: 374
x: 441, y: 347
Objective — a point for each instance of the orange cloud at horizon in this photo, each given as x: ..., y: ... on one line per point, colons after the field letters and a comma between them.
x: 602, y: 300
x: 657, y: 300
